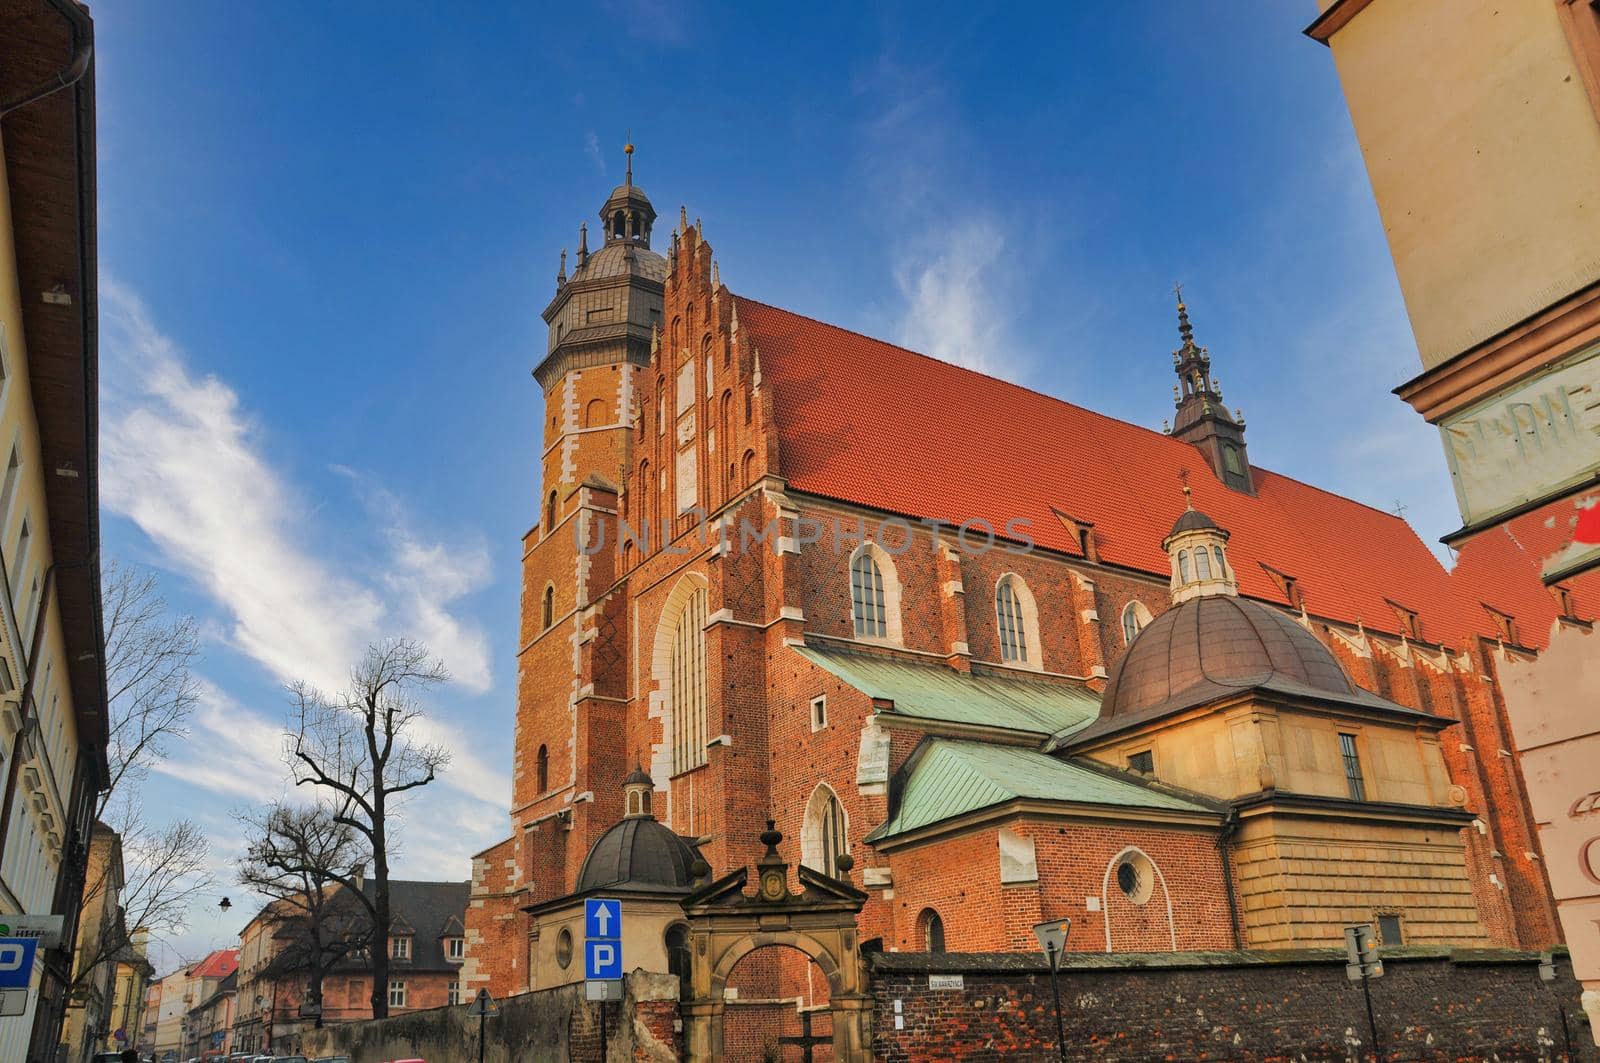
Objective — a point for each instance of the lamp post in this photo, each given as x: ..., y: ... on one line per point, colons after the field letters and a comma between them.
x: 1052, y: 935
x: 1547, y: 975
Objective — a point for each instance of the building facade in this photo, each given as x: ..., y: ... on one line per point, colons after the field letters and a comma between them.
x: 53, y: 723
x: 94, y: 968
x: 426, y: 946
x: 789, y: 572
x: 1480, y: 127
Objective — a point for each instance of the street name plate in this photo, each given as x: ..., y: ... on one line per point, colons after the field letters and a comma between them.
x: 947, y: 981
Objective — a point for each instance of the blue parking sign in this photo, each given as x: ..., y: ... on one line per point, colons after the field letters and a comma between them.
x: 602, y: 932
x: 602, y: 918
x: 603, y: 958
x: 16, y: 962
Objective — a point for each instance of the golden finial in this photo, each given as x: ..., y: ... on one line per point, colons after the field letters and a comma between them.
x: 627, y: 149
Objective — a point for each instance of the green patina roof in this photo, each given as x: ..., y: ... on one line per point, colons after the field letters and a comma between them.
x: 951, y: 778
x: 938, y: 692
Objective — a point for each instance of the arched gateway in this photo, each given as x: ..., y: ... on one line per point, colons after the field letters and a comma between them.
x: 726, y: 925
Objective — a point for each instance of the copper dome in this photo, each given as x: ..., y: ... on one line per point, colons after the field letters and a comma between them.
x: 1213, y: 646
x: 639, y: 854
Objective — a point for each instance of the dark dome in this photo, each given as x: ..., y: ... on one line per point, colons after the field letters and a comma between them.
x: 1212, y: 646
x: 640, y: 853
x: 620, y: 259
x: 1193, y: 520
x: 637, y: 777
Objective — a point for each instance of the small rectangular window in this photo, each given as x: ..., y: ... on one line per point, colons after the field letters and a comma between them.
x: 1143, y: 762
x: 1352, y: 767
x: 819, y: 713
x: 455, y: 992
x: 1389, y: 931
x: 456, y: 948
x: 397, y: 994
x: 400, y: 948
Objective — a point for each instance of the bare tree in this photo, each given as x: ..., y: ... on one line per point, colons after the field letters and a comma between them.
x: 151, y: 695
x: 163, y: 868
x: 299, y: 857
x: 151, y: 690
x: 361, y: 749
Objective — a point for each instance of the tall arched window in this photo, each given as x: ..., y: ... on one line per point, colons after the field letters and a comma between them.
x: 1013, y: 628
x: 550, y: 513
x: 932, y: 931
x: 1134, y: 617
x: 1202, y: 564
x: 1222, y: 569
x: 594, y: 414
x: 1183, y: 566
x: 543, y: 769
x: 688, y: 690
x: 749, y: 465
x: 823, y: 837
x: 866, y: 597
x: 547, y: 611
x: 874, y: 593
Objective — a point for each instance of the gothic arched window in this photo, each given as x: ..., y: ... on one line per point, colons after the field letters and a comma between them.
x: 1183, y: 566
x: 550, y: 513
x: 866, y: 597
x: 547, y: 610
x: 1013, y: 626
x: 1202, y: 564
x: 688, y: 689
x: 1222, y: 569
x: 1134, y: 617
x: 932, y: 931
x: 543, y: 769
x: 823, y: 838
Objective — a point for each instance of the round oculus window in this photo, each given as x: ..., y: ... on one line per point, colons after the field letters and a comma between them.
x: 564, y: 949
x: 1135, y: 877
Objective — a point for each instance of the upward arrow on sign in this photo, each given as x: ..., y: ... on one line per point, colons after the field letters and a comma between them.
x: 602, y: 919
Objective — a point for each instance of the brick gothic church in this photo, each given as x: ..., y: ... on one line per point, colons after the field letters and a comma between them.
x: 1016, y: 659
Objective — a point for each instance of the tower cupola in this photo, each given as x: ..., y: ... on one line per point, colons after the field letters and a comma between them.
x: 637, y: 790
x: 1202, y: 419
x: 1199, y: 552
x: 627, y: 215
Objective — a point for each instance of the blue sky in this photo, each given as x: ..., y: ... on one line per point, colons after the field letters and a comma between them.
x: 327, y: 232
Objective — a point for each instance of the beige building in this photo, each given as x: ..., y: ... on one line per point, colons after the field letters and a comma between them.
x: 1339, y: 801
x: 100, y: 932
x: 1479, y: 122
x: 52, y: 675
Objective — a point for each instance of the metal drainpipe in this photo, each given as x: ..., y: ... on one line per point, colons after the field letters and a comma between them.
x: 1230, y: 824
x: 67, y: 76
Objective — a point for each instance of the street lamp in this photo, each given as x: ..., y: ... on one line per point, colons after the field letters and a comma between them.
x: 1052, y: 935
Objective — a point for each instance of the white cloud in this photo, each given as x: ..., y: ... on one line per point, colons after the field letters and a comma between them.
x: 591, y: 147
x: 230, y: 751
x: 956, y: 275
x: 182, y: 459
x: 953, y: 310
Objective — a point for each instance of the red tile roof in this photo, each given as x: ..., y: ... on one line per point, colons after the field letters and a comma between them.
x: 871, y: 423
x: 219, y: 964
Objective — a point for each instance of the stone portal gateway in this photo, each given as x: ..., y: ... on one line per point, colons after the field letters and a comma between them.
x: 726, y: 924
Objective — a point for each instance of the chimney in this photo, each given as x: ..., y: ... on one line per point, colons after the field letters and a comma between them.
x: 358, y: 874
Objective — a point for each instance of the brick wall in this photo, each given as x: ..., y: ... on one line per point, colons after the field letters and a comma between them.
x: 552, y: 1026
x: 1431, y: 1004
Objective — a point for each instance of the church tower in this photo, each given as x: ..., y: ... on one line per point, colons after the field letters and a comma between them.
x: 568, y: 766
x: 1202, y: 419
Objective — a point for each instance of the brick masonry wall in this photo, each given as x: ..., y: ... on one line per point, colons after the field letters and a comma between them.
x: 552, y: 1026
x: 1431, y: 1004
